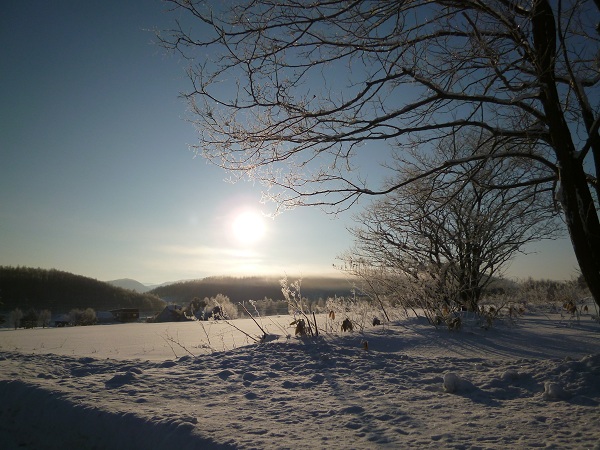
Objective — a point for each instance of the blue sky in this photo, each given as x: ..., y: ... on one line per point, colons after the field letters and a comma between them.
x: 96, y: 177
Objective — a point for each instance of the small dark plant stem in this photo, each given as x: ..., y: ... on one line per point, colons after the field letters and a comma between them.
x: 285, y: 332
x: 207, y: 335
x: 169, y: 338
x: 382, y: 307
x: 308, y: 323
x: 169, y: 344
x: 316, y: 329
x: 252, y: 317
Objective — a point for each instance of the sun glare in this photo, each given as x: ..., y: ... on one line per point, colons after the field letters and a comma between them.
x: 248, y: 227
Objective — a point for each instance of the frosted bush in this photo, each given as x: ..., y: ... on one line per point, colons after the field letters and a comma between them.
x: 82, y: 317
x: 15, y: 317
x: 29, y: 319
x: 549, y: 292
x: 44, y: 317
x: 359, y: 311
x: 220, y: 307
x: 298, y: 307
x: 266, y: 307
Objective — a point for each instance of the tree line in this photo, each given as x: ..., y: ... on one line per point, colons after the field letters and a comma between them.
x: 244, y: 289
x: 60, y: 292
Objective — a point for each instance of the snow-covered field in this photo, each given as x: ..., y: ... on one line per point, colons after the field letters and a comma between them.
x: 535, y: 383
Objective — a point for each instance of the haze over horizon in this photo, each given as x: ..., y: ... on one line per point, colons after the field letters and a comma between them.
x: 96, y: 177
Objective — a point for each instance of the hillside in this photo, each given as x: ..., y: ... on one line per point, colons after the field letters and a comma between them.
x: 132, y: 285
x: 24, y: 288
x: 249, y: 288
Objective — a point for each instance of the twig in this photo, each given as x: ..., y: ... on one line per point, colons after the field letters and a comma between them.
x: 241, y: 331
x: 206, y: 333
x: 169, y: 344
x: 252, y: 317
x: 285, y: 332
x: 169, y: 338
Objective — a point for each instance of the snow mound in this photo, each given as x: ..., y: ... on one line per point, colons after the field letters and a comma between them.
x: 121, y: 378
x: 455, y: 384
x: 554, y: 391
x: 510, y: 375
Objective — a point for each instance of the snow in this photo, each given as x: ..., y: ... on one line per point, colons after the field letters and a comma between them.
x: 533, y: 383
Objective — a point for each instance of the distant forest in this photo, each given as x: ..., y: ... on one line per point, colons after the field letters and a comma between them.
x: 59, y: 292
x: 249, y: 288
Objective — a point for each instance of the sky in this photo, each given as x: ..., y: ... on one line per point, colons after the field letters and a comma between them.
x: 96, y: 174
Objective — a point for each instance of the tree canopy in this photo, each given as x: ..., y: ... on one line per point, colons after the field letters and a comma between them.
x: 454, y: 228
x: 294, y: 93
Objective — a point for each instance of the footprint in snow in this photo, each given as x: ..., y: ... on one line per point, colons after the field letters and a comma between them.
x: 356, y: 409
x: 249, y: 376
x: 224, y: 374
x: 167, y: 364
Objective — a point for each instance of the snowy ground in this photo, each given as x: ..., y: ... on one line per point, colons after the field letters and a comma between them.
x: 181, y: 386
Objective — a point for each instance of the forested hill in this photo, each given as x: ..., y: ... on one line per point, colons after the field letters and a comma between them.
x: 249, y: 288
x: 57, y: 291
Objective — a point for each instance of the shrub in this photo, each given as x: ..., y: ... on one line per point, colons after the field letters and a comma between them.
x: 299, y: 308
x: 220, y: 307
x: 82, y: 317
x: 195, y: 308
x: 268, y: 307
x: 554, y: 293
x: 15, y: 317
x: 30, y: 319
x: 357, y: 311
x: 44, y: 317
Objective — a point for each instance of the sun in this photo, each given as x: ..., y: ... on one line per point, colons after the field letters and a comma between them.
x: 248, y: 227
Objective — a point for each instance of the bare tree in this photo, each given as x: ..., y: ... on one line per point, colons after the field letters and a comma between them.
x: 291, y: 93
x: 456, y: 228
x: 15, y: 317
x: 44, y: 317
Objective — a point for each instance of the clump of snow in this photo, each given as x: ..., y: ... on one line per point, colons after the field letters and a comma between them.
x: 138, y: 386
x: 456, y: 384
x: 122, y: 378
x: 554, y: 391
x: 510, y: 375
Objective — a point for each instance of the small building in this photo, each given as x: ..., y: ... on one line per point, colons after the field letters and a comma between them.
x: 104, y: 317
x: 171, y: 313
x: 126, y: 314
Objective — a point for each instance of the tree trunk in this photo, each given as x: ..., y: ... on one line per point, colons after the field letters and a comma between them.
x: 583, y: 224
x: 576, y: 197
